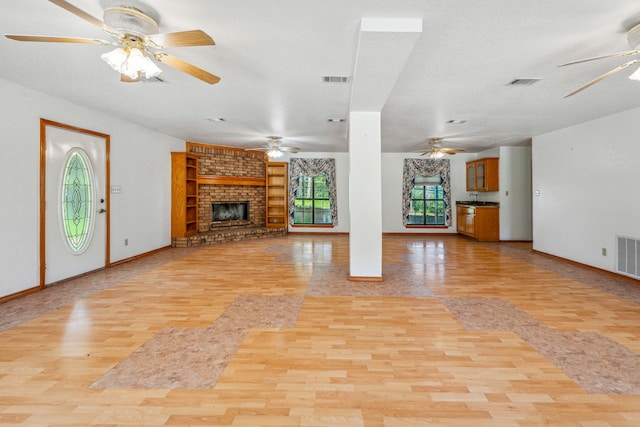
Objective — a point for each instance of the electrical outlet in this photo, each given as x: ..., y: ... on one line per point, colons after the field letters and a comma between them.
x: 604, y: 251
x: 126, y: 242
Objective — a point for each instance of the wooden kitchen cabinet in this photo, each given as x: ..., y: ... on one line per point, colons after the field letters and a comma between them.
x: 184, y: 194
x: 479, y: 222
x: 483, y: 174
x: 277, y: 194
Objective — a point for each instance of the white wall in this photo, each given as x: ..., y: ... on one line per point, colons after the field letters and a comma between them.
x: 515, y: 193
x: 588, y: 179
x: 140, y: 164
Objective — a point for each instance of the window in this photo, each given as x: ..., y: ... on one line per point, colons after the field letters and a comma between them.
x: 312, y: 192
x: 427, y: 202
x: 77, y: 201
x: 312, y: 204
x: 426, y: 193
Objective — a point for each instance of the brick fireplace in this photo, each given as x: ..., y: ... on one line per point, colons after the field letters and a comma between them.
x: 229, y: 175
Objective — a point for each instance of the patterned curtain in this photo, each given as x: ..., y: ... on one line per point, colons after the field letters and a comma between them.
x: 425, y: 167
x: 313, y: 168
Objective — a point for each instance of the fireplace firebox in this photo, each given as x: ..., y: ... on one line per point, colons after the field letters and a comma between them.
x: 230, y: 211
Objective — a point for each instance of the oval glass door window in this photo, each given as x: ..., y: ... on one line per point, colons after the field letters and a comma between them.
x: 77, y: 201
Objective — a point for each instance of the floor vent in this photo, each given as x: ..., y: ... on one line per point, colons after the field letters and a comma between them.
x: 629, y: 256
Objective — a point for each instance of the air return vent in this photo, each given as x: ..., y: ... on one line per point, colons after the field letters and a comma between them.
x: 524, y: 82
x: 335, y: 79
x: 628, y: 256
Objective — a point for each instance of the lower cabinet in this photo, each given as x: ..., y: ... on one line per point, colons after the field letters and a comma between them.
x: 480, y: 222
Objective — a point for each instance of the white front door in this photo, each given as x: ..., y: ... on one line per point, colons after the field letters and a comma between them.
x: 75, y: 217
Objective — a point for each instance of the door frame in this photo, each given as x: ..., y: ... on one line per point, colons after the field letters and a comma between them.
x: 43, y: 186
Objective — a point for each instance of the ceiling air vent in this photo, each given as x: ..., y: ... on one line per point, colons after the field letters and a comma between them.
x: 524, y: 82
x: 335, y: 79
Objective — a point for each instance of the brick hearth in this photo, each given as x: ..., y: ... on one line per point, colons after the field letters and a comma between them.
x: 216, y: 161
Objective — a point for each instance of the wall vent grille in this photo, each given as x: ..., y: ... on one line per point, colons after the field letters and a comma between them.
x: 628, y: 257
x: 335, y: 79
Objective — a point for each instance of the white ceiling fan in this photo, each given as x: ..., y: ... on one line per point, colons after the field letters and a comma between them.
x: 134, y: 27
x: 633, y: 38
x: 435, y: 150
x: 274, y: 147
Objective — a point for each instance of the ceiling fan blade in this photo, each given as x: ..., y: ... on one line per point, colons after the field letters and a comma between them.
x: 53, y: 39
x: 289, y: 149
x: 452, y: 151
x: 259, y: 149
x: 80, y: 13
x: 191, y: 69
x: 602, y: 77
x: 183, y: 38
x: 579, y: 61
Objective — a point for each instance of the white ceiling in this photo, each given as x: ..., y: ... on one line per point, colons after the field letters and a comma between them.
x: 271, y: 55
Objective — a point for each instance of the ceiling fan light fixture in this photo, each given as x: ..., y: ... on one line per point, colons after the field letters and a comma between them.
x: 274, y: 153
x: 131, y: 61
x: 435, y: 154
x: 115, y: 58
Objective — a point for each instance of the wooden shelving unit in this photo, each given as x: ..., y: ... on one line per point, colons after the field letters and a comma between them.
x: 184, y: 194
x: 276, y: 185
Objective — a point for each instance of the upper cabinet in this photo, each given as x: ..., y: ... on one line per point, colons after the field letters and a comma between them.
x: 482, y: 174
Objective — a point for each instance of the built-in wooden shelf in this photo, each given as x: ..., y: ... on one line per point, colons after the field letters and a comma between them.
x: 231, y: 180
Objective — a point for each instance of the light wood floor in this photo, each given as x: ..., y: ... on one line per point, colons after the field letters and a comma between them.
x: 270, y: 333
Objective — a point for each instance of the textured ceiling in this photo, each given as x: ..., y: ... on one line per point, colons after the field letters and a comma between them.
x: 272, y: 54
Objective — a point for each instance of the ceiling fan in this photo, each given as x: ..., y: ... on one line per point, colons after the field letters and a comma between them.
x: 274, y: 148
x: 134, y: 26
x: 633, y: 38
x: 435, y: 149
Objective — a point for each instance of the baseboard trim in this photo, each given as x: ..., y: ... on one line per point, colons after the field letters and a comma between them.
x: 20, y: 294
x: 589, y: 267
x: 38, y: 288
x: 366, y: 279
x: 142, y: 255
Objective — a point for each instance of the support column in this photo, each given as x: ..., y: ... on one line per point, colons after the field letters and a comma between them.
x: 383, y: 49
x: 365, y: 196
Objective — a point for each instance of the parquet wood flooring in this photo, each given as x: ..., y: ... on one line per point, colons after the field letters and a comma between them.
x: 458, y: 334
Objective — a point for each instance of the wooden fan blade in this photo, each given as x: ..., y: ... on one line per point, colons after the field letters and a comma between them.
x: 579, y: 61
x: 55, y: 39
x: 452, y: 151
x: 258, y: 149
x: 184, y: 66
x: 80, y: 13
x: 183, y: 38
x: 602, y: 77
x: 289, y: 149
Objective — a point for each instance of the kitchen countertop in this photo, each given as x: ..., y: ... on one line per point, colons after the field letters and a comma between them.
x: 478, y: 204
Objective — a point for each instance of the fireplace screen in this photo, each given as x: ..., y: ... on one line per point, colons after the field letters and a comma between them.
x: 230, y: 211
